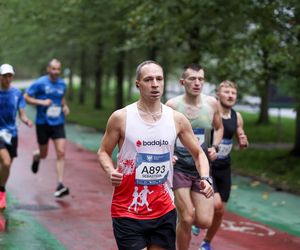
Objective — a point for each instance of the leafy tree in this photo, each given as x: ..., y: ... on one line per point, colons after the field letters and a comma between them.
x: 247, y: 41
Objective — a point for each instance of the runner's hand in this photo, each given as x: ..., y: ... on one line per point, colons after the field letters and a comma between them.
x: 46, y: 102
x: 174, y: 159
x: 206, y: 189
x: 243, y: 140
x: 116, y: 178
x: 212, y: 154
x: 29, y: 123
x: 66, y: 109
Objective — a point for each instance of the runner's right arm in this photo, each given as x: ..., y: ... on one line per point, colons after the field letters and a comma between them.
x: 34, y: 101
x: 111, y: 138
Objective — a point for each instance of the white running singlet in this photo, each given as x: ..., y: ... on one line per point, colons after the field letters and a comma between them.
x: 145, y: 159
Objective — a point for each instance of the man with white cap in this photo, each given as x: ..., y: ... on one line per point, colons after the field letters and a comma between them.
x: 11, y: 103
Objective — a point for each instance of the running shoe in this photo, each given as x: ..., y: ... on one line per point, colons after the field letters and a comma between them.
x: 205, y: 246
x: 61, y: 191
x: 2, y: 200
x: 35, y: 166
x: 195, y: 230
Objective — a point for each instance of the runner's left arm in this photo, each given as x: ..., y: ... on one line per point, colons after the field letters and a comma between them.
x: 24, y: 118
x: 65, y: 107
x: 218, y: 129
x: 240, y: 133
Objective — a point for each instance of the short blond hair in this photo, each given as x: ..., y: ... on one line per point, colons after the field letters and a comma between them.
x: 227, y: 83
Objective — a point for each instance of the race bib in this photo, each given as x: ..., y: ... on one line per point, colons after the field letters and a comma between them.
x: 199, y: 133
x: 224, y: 148
x: 152, y: 169
x: 6, y: 136
x: 53, y: 111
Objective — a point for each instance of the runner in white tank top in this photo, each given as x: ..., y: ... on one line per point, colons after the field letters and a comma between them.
x: 145, y: 161
x: 142, y: 207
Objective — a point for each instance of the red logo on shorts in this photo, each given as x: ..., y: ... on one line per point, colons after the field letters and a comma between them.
x: 138, y: 143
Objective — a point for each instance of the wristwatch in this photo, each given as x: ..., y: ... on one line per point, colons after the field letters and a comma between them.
x: 216, y: 147
x: 208, y: 179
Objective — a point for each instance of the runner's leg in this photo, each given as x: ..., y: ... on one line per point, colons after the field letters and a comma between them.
x: 5, y: 164
x: 204, y: 209
x: 218, y: 216
x: 185, y: 209
x: 60, y: 145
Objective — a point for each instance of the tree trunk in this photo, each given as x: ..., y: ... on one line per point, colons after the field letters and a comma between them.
x: 70, y: 87
x: 264, y: 105
x: 130, y: 77
x: 83, y: 78
x: 166, y: 70
x: 120, y: 79
x: 98, y: 77
x: 72, y: 63
x: 296, y: 149
x: 152, y: 53
x: 265, y: 91
x: 130, y: 85
x: 106, y: 84
x: 194, y: 42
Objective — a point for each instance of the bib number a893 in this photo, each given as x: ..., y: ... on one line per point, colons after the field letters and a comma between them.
x: 152, y: 169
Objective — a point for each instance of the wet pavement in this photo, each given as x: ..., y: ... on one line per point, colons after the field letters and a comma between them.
x: 262, y: 203
x: 258, y: 216
x: 78, y: 221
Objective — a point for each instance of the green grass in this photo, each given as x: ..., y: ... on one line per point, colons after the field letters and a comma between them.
x: 283, y: 131
x: 88, y: 116
x: 275, y: 167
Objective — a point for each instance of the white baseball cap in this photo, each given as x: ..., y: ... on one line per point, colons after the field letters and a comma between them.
x: 6, y: 69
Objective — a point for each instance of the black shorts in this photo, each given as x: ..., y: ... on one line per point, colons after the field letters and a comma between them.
x: 222, y: 182
x: 133, y: 234
x: 45, y: 132
x: 11, y: 148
